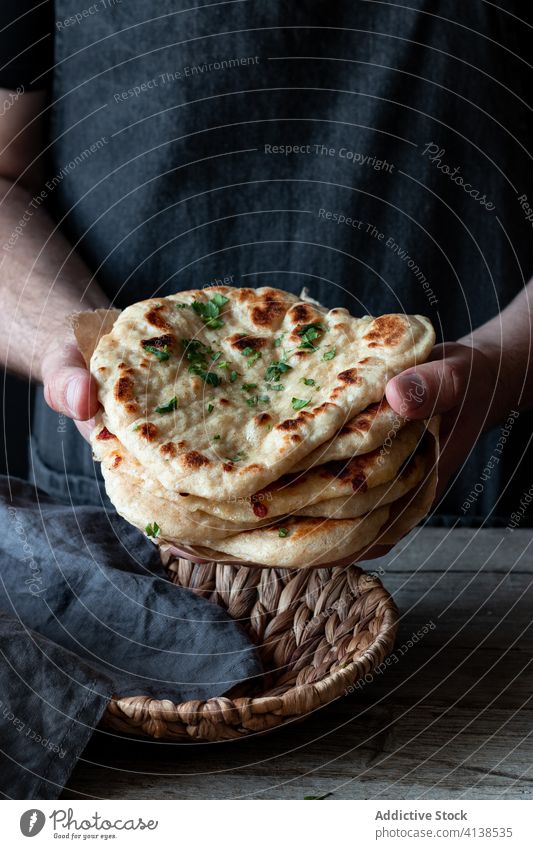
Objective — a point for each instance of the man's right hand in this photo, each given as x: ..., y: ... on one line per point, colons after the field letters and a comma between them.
x: 69, y: 388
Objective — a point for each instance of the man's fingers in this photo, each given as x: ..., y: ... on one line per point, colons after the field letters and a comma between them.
x: 431, y: 388
x: 68, y: 385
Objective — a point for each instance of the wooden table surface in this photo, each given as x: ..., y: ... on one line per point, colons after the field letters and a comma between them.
x: 451, y: 718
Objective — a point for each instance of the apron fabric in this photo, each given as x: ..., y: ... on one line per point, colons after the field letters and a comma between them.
x: 373, y: 152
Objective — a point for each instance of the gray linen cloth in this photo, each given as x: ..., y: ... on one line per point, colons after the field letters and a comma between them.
x: 86, y: 611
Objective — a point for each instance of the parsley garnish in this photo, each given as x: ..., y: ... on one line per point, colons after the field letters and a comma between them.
x: 283, y: 532
x: 240, y: 455
x: 308, y: 381
x: 209, y: 377
x: 264, y: 399
x: 209, y: 312
x: 216, y: 436
x: 180, y: 306
x: 152, y: 530
x: 248, y: 386
x: 252, y: 355
x: 279, y: 387
x: 252, y: 402
x: 275, y: 370
x: 309, y: 333
x: 197, y: 353
x: 210, y: 408
x: 233, y: 376
x: 168, y: 408
x: 329, y: 354
x: 299, y: 404
x: 162, y: 354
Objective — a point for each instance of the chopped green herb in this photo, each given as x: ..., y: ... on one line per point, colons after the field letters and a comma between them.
x: 277, y: 342
x: 197, y: 353
x: 275, y: 370
x: 210, y: 408
x: 264, y: 399
x: 222, y: 364
x: 209, y: 312
x: 152, y: 530
x: 246, y: 352
x: 233, y: 376
x: 219, y: 300
x: 248, y: 386
x: 252, y: 402
x: 329, y: 354
x: 299, y: 404
x: 216, y: 356
x: 162, y: 354
x: 308, y: 381
x: 278, y: 387
x: 309, y: 333
x: 216, y: 436
x: 209, y: 377
x: 240, y: 455
x: 168, y: 408
x: 283, y: 532
x: 180, y: 306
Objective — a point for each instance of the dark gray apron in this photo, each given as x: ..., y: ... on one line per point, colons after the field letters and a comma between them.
x: 376, y: 154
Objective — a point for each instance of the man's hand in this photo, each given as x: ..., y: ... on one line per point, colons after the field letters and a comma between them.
x: 459, y: 381
x: 69, y: 388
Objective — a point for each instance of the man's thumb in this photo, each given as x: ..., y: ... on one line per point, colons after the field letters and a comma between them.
x: 428, y: 389
x: 68, y: 385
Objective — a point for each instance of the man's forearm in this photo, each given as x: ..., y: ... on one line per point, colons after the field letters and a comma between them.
x: 42, y: 281
x: 507, y: 342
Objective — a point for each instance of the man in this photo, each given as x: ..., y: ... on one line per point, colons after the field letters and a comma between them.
x: 374, y: 152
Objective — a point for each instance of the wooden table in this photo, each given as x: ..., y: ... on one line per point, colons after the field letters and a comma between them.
x: 451, y: 718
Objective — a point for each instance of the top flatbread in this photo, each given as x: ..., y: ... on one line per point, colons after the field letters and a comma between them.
x: 184, y: 382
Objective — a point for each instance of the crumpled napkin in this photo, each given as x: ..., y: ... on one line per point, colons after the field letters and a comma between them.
x: 86, y: 611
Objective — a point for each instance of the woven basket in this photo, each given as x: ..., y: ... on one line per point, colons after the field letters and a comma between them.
x: 318, y: 631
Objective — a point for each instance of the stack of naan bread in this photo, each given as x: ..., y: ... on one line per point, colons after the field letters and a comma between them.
x: 248, y: 425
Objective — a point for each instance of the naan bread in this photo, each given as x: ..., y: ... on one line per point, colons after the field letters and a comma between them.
x: 360, y: 503
x: 288, y: 541
x: 177, y: 372
x: 367, y: 430
x: 349, y: 483
x: 305, y: 541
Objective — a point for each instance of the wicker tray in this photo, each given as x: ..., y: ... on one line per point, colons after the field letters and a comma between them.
x: 318, y: 631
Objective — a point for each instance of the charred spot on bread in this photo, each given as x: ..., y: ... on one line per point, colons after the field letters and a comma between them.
x: 156, y: 317
x: 195, y: 460
x: 148, y: 431
x: 262, y: 418
x: 269, y: 309
x: 168, y: 449
x: 124, y: 389
x: 386, y: 329
x: 105, y: 434
x: 259, y: 508
x: 229, y: 466
x: 158, y: 341
x: 303, y: 314
x: 240, y: 342
x: 289, y: 424
x: 349, y: 376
